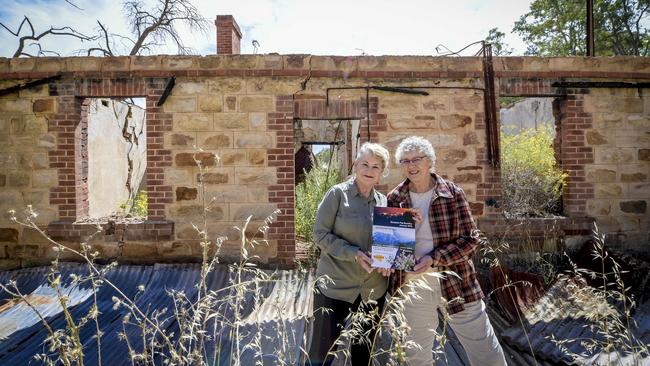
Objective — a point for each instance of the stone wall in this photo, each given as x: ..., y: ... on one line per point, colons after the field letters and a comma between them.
x: 242, y: 124
x: 26, y: 176
x: 452, y: 119
x: 619, y: 136
x: 242, y: 108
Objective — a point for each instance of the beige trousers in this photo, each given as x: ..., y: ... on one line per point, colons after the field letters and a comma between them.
x: 471, y: 326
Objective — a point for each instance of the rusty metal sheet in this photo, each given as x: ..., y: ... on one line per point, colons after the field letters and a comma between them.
x: 515, y: 291
x: 285, y: 303
x: 561, y: 313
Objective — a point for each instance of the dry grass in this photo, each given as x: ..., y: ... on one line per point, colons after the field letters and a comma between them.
x: 206, y: 320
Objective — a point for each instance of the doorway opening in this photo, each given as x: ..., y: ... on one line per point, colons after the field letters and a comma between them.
x: 324, y: 153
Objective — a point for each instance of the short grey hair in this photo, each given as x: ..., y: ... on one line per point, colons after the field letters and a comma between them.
x: 376, y: 150
x: 416, y: 144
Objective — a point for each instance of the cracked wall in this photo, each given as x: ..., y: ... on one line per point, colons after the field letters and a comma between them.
x: 117, y: 154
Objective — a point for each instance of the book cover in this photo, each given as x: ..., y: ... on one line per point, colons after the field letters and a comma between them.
x: 393, y: 238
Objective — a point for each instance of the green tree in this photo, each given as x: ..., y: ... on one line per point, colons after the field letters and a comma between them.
x: 499, y: 47
x: 627, y: 23
x: 557, y: 27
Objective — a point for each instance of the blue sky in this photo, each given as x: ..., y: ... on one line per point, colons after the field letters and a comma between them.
x: 333, y: 27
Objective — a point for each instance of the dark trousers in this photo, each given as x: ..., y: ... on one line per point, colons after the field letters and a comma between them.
x: 328, y: 326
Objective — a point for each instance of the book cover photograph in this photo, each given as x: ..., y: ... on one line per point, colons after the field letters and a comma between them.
x: 393, y: 238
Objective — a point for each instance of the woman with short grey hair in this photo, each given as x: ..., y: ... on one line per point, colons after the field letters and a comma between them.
x: 343, y: 233
x: 417, y: 144
x: 445, y: 239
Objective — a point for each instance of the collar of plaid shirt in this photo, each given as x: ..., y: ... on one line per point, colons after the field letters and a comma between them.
x: 454, y: 240
x: 441, y: 189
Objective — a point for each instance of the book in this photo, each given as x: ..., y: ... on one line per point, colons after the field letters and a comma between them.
x: 393, y: 238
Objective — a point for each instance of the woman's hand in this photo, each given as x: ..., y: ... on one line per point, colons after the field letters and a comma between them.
x: 364, y: 261
x: 422, y: 265
x: 417, y: 216
x: 385, y: 271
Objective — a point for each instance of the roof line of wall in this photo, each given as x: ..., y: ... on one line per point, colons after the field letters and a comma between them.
x: 325, y: 66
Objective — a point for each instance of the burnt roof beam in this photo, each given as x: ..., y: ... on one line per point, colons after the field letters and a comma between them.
x: 27, y: 85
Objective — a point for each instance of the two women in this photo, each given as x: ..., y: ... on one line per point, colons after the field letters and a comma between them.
x: 445, y: 241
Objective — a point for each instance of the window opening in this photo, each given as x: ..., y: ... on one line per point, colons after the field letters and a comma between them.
x: 116, y: 158
x: 532, y: 180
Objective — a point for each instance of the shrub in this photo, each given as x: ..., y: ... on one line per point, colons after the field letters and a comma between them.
x: 309, y: 193
x: 138, y: 207
x: 532, y: 181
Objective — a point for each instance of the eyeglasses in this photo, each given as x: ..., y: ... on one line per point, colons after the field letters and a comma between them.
x: 415, y: 160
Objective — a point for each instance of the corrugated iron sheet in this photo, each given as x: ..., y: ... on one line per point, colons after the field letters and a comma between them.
x: 26, y: 279
x: 514, y: 356
x: 274, y: 325
x: 21, y: 346
x: 284, y: 303
x: 561, y: 314
x: 282, y: 308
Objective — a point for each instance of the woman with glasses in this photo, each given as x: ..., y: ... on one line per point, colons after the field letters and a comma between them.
x: 343, y: 233
x: 446, y: 238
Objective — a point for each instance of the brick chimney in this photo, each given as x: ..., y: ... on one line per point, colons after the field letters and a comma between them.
x: 228, y: 35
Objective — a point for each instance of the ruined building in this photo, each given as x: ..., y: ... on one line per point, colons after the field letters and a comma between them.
x: 254, y: 112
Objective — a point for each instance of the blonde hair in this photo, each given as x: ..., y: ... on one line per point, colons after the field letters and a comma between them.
x: 376, y: 150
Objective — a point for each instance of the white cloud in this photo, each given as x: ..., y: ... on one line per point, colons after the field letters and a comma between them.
x: 340, y: 27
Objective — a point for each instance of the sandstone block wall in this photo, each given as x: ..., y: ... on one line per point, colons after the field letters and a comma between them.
x: 242, y: 108
x: 619, y: 136
x: 26, y: 176
x: 236, y: 120
x: 452, y: 120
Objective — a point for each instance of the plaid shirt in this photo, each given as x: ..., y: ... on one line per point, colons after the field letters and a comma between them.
x: 454, y: 240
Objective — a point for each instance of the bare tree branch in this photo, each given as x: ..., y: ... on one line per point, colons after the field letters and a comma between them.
x: 160, y: 24
x: 106, y: 51
x: 42, y: 52
x: 32, y: 36
x: 90, y: 50
x: 73, y: 4
x: 150, y: 26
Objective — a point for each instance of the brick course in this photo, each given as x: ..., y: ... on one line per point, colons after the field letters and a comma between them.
x: 70, y: 124
x: 282, y: 193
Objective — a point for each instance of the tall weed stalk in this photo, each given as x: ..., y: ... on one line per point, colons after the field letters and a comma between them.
x: 608, y: 309
x: 197, y: 328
